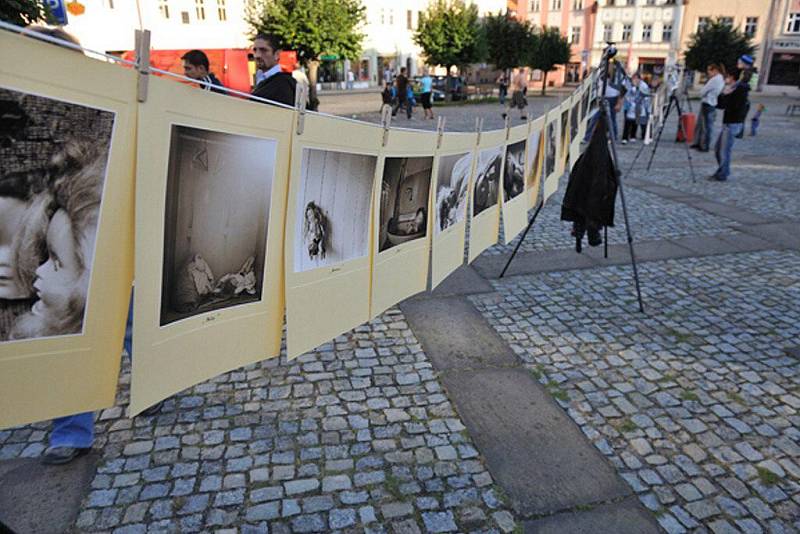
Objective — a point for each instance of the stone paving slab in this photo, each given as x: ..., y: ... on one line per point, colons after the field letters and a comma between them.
x: 463, y: 281
x: 624, y: 517
x: 785, y: 234
x: 35, y: 498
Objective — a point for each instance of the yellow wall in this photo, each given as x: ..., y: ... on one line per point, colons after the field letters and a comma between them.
x: 738, y: 9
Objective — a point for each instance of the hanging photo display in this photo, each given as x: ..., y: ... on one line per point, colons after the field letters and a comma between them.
x: 211, y: 187
x: 486, y: 190
x: 333, y: 208
x: 486, y: 184
x: 452, y: 186
x: 215, y: 225
x: 534, y: 162
x: 563, y: 154
x: 66, y: 179
x: 515, y: 203
x: 403, y: 207
x: 574, y: 131
x: 514, y: 170
x: 551, y: 149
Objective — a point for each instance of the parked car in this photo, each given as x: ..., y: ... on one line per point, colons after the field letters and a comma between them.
x: 437, y: 95
x: 456, y: 88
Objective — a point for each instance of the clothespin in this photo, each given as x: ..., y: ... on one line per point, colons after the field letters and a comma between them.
x: 142, y: 40
x: 440, y: 121
x: 386, y: 120
x: 508, y: 126
x: 300, y: 97
x: 478, y: 129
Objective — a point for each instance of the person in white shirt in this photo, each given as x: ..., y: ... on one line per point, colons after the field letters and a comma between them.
x: 708, y: 108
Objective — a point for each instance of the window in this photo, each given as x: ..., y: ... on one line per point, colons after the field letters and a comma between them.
x: 110, y: 4
x: 608, y: 32
x: 727, y: 21
x: 163, y: 7
x: 647, y: 33
x: 409, y: 19
x: 555, y: 4
x: 666, y: 32
x: 750, y: 26
x: 575, y: 35
x: 200, y: 9
x: 793, y: 24
x: 535, y: 6
x: 383, y: 16
x: 577, y: 5
x: 391, y: 17
x: 185, y: 17
x: 627, y: 30
x: 630, y: 2
x: 651, y: 2
x: 222, y: 13
x: 702, y: 22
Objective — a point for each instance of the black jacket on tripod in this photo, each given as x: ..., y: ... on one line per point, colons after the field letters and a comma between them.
x: 592, y: 187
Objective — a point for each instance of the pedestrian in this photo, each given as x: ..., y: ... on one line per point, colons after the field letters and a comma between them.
x: 387, y: 74
x: 748, y: 77
x: 708, y: 107
x: 732, y: 99
x: 518, y: 86
x: 502, y: 88
x: 756, y: 120
x: 401, y: 86
x: 276, y: 85
x: 631, y: 108
x: 426, y: 94
x: 196, y: 67
x: 351, y: 78
x: 387, y: 95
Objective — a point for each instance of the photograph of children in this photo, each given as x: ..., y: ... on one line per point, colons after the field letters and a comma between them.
x: 573, y: 120
x: 403, y: 206
x: 550, y: 146
x: 564, y: 153
x: 487, y: 179
x: 534, y: 158
x: 333, y: 208
x: 514, y: 170
x: 452, y: 185
x: 54, y: 156
x: 215, y: 227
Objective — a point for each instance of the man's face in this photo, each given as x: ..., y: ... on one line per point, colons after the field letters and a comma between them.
x: 265, y: 56
x: 195, y: 72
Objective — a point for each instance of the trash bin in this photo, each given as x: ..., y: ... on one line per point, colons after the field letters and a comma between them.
x: 688, y: 121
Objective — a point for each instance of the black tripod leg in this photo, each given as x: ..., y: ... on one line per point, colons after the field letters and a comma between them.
x: 522, y: 238
x: 660, y: 131
x: 605, y: 242
x: 685, y: 137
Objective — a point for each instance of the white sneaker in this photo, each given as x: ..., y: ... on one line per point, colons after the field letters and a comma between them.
x: 633, y: 140
x: 624, y: 142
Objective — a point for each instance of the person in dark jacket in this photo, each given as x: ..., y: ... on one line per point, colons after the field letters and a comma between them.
x: 195, y: 66
x: 733, y: 100
x: 276, y: 85
x: 591, y: 190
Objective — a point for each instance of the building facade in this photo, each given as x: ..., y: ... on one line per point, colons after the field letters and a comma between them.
x: 781, y: 64
x: 647, y: 33
x: 575, y: 20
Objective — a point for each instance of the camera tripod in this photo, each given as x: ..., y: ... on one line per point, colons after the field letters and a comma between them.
x: 673, y: 100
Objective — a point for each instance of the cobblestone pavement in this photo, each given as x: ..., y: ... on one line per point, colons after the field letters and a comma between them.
x: 696, y: 403
x: 354, y: 436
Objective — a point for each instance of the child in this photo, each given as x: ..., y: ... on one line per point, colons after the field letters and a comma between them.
x: 756, y: 120
x: 631, y: 106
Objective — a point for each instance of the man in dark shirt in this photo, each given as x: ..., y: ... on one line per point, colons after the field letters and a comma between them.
x: 733, y: 100
x: 195, y: 66
x: 401, y: 82
x: 276, y: 85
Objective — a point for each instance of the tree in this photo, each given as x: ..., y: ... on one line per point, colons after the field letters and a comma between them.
x: 311, y: 28
x: 450, y: 34
x: 717, y: 42
x: 24, y: 12
x: 507, y: 41
x: 548, y: 49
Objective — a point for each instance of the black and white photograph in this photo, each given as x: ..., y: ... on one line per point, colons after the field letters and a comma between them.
x: 550, y: 147
x: 405, y: 190
x: 573, y: 120
x: 452, y: 186
x: 514, y: 170
x: 333, y: 208
x: 585, y: 104
x: 218, y: 195
x: 534, y: 158
x: 54, y: 158
x: 564, y: 153
x: 487, y: 179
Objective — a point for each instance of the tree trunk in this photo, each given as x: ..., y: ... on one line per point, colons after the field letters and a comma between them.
x: 544, y: 82
x: 313, y: 69
x: 447, y: 95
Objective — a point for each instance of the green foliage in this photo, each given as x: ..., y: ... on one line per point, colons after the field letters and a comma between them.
x: 310, y: 27
x: 450, y: 34
x: 508, y: 41
x: 24, y: 12
x: 548, y: 48
x: 717, y: 42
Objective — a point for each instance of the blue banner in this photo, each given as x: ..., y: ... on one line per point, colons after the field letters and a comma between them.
x: 58, y: 9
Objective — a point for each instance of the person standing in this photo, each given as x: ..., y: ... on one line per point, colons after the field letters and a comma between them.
x: 502, y: 88
x: 401, y: 84
x: 351, y: 78
x: 708, y: 107
x: 426, y: 90
x: 631, y: 108
x: 749, y: 78
x: 518, y: 87
x: 276, y: 85
x: 733, y: 100
x: 196, y: 67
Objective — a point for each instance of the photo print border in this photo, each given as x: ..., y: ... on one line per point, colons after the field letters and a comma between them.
x: 484, y: 226
x: 534, y: 164
x: 515, y: 209
x: 551, y: 149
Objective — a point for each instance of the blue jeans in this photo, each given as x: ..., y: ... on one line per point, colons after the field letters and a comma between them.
x: 612, y: 104
x: 724, y: 147
x: 754, y: 126
x: 78, y: 430
x: 709, y: 115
